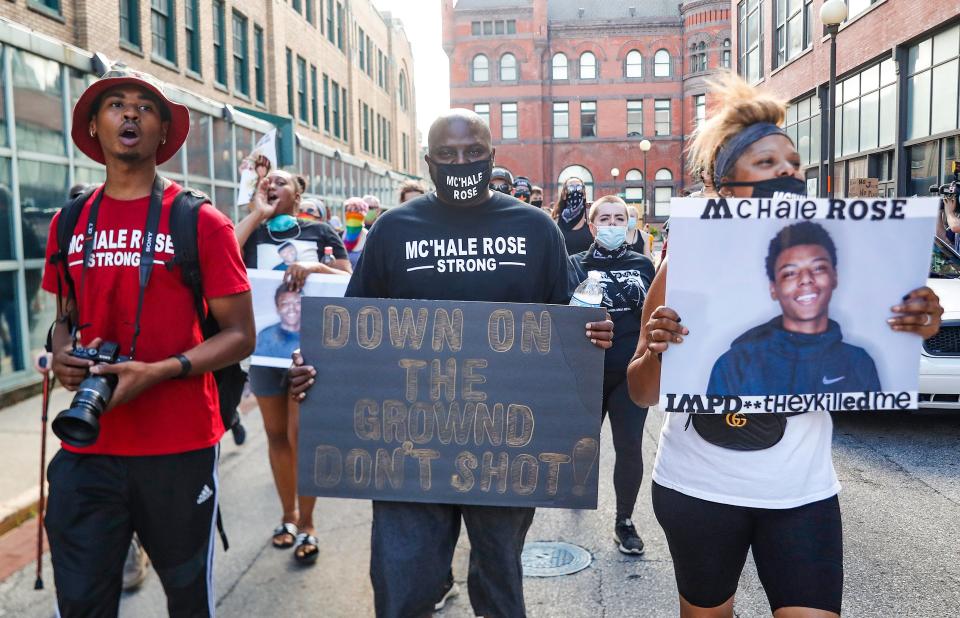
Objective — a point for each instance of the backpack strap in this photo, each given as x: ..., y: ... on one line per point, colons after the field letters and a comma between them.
x: 66, y: 224
x: 184, y: 216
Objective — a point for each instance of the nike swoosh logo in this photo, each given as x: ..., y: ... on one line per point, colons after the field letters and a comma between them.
x: 827, y: 381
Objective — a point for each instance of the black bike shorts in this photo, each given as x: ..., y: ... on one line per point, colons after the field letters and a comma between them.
x: 798, y: 551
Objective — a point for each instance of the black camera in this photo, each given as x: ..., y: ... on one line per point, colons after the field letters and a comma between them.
x: 949, y: 189
x: 79, y: 425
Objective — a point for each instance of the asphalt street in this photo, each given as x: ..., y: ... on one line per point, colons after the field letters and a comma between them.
x: 901, y: 514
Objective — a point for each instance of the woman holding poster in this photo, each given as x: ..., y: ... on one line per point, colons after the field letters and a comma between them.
x: 725, y: 485
x: 274, y: 239
x: 625, y: 278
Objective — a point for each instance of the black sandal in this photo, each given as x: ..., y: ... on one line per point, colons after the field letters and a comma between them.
x: 285, y: 529
x: 310, y: 551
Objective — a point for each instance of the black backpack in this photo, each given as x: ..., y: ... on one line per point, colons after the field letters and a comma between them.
x: 183, y: 230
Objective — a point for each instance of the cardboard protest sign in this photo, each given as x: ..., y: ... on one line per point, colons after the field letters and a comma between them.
x: 451, y: 402
x: 255, y: 166
x: 787, y: 302
x: 277, y: 315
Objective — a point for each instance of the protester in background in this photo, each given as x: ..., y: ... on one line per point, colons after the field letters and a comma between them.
x: 522, y: 189
x: 637, y: 239
x: 310, y: 210
x: 373, y: 210
x: 153, y: 468
x: 626, y: 276
x: 536, y: 198
x: 779, y: 498
x: 501, y: 180
x: 570, y: 213
x: 355, y: 234
x: 410, y: 189
x: 412, y: 544
x: 268, y: 229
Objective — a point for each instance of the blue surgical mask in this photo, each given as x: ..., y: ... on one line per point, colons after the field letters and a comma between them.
x: 611, y: 237
x: 631, y: 224
x: 281, y: 223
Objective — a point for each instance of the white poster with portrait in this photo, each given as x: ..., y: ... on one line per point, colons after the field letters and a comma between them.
x: 256, y: 165
x: 277, y: 313
x: 787, y: 302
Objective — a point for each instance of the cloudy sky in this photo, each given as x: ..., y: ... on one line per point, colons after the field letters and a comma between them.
x: 422, y: 23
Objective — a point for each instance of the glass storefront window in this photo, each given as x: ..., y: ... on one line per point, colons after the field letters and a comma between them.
x: 951, y: 153
x: 202, y: 187
x: 924, y: 160
x: 918, y: 105
x: 866, y: 117
x: 173, y: 165
x: 43, y: 190
x: 38, y: 103
x: 78, y: 82
x: 90, y: 175
x: 3, y: 103
x: 245, y: 143
x: 41, y: 310
x: 198, y: 146
x: 222, y: 161
x: 223, y: 199
x: 933, y: 71
x: 316, y: 185
x: 944, y: 115
x: 6, y: 213
x: 11, y: 339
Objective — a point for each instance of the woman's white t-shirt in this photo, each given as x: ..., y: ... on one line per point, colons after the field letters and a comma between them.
x: 795, y: 471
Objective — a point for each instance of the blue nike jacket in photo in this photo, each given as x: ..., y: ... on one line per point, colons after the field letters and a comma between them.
x: 768, y: 360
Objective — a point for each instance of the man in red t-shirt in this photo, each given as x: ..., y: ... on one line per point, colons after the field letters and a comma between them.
x: 153, y: 468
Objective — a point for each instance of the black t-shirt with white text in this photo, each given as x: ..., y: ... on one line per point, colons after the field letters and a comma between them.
x: 304, y: 243
x: 499, y: 251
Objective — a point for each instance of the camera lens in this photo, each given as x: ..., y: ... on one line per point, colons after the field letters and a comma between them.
x: 79, y: 425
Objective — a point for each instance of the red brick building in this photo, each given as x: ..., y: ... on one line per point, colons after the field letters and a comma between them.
x: 898, y: 66
x: 572, y: 87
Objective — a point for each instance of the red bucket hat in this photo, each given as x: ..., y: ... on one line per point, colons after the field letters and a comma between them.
x: 120, y: 75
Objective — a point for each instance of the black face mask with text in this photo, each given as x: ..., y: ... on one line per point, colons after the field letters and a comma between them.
x: 462, y: 183
x: 790, y: 185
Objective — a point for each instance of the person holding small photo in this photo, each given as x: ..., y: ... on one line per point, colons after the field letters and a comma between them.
x: 759, y: 482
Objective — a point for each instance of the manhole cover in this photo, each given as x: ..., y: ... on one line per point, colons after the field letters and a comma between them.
x: 553, y: 558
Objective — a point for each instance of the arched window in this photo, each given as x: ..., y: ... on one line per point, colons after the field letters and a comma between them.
x: 662, y: 193
x: 634, y: 190
x: 702, y: 48
x: 481, y: 68
x: 580, y: 172
x: 588, y: 66
x: 508, y: 68
x: 559, y: 66
x: 634, y: 64
x: 661, y: 64
x: 402, y: 89
x: 725, y: 56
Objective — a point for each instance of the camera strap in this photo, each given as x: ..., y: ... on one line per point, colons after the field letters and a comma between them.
x: 147, y: 248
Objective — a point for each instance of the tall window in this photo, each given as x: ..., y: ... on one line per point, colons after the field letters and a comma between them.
x: 702, y: 56
x: 331, y: 30
x: 162, y: 23
x: 661, y: 113
x: 634, y: 64
x: 559, y: 67
x: 634, y: 118
x: 365, y: 115
x: 314, y: 102
x: 866, y: 108
x: 130, y: 22
x: 725, y: 54
x: 241, y: 78
x: 699, y: 109
x: 326, y: 103
x: 343, y: 117
x: 588, y: 118
x: 483, y: 110
x: 855, y: 7
x: 52, y: 5
x: 561, y: 120
x: 481, y: 68
x: 302, y: 89
x: 932, y: 70
x: 361, y: 50
x: 335, y: 94
x: 661, y: 63
x: 662, y: 193
x: 220, y: 42
x: 402, y: 89
x: 803, y: 127
x: 369, y: 46
x: 191, y: 26
x: 259, y: 81
x: 309, y: 15
x: 508, y: 68
x: 508, y: 120
x: 290, y: 82
x: 340, y: 42
x: 750, y: 43
x: 297, y: 6
x: 634, y: 190
x: 588, y: 66
x: 794, y: 24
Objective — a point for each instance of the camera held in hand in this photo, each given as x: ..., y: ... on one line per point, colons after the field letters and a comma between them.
x: 79, y: 425
x: 949, y: 189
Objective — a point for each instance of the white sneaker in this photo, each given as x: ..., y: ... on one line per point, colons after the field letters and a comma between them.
x: 136, y: 565
x: 454, y: 591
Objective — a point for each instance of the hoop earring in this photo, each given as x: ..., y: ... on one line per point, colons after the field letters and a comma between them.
x: 93, y: 133
x: 163, y: 141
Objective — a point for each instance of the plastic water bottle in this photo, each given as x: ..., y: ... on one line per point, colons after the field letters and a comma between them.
x: 328, y: 258
x: 589, y: 293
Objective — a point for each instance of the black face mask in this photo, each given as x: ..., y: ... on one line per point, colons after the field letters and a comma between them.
x: 462, y: 183
x: 537, y: 203
x: 501, y: 187
x: 791, y: 185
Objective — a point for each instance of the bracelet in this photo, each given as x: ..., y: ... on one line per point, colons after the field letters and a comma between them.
x: 185, y: 366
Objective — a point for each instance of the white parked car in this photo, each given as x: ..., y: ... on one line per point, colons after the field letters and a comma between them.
x: 940, y: 360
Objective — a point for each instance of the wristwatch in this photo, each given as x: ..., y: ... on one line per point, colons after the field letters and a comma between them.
x: 185, y: 366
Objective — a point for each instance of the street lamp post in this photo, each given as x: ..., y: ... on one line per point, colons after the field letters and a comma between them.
x: 645, y: 147
x: 615, y: 173
x: 832, y: 14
